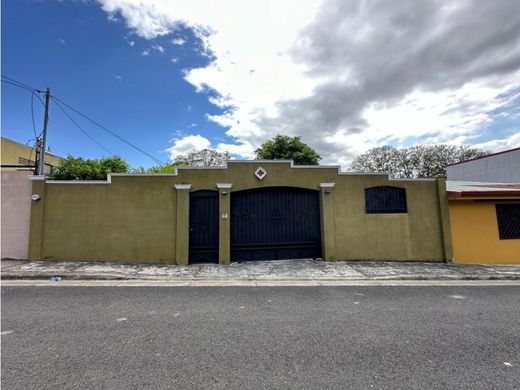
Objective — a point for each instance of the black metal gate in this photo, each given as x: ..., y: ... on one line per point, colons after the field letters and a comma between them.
x: 204, y: 220
x: 275, y: 223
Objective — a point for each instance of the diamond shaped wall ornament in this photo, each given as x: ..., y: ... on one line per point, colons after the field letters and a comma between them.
x: 260, y: 173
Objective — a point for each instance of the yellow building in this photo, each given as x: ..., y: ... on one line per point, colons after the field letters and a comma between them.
x: 15, y: 153
x: 485, y: 222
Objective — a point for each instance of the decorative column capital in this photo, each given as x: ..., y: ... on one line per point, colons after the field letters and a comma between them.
x: 182, y: 186
x: 226, y: 186
x: 327, y: 185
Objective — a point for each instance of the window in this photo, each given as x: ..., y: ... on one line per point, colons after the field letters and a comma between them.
x: 508, y: 217
x: 379, y: 200
x: 25, y: 161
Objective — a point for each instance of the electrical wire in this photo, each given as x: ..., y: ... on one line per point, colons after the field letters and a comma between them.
x: 20, y: 84
x: 32, y: 115
x: 33, y: 148
x: 32, y: 90
x: 108, y: 131
x: 79, y: 127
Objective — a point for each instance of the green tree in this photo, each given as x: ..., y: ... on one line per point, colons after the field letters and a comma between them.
x: 202, y: 158
x: 282, y: 147
x: 167, y: 168
x: 415, y: 161
x: 195, y: 158
x: 78, y: 168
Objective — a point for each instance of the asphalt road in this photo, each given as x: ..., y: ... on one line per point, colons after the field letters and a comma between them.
x: 261, y: 337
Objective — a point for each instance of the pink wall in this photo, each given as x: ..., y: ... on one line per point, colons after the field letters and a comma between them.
x: 16, y: 213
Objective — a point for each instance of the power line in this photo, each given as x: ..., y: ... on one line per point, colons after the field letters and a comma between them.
x: 79, y: 127
x: 33, y: 148
x: 108, y: 131
x: 32, y: 115
x: 20, y: 84
x: 32, y: 90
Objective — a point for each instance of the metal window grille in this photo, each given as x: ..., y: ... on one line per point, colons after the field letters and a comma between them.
x: 385, y: 200
x: 508, y: 217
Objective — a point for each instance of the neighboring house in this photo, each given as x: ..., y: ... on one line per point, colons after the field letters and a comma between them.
x: 16, y: 195
x: 502, y: 167
x: 485, y: 222
x: 17, y: 154
x: 484, y: 204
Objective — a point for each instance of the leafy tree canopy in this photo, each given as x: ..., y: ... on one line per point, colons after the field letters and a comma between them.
x: 202, y: 158
x: 167, y: 168
x: 415, y: 161
x: 282, y: 147
x: 195, y: 158
x: 73, y: 168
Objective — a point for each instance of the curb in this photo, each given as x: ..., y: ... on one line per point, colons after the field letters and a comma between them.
x: 78, y: 277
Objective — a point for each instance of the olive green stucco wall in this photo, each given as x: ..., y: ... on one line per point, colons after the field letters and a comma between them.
x: 143, y: 218
x: 130, y: 220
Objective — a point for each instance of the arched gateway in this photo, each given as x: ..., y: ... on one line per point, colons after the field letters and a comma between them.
x: 275, y: 223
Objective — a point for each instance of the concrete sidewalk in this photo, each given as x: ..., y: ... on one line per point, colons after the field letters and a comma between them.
x: 285, y: 270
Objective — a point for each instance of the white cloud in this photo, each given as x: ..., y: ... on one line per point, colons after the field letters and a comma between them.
x: 243, y: 150
x: 158, y: 48
x: 238, y: 43
x: 499, y: 145
x: 113, y: 18
x: 174, y: 59
x: 178, y: 41
x: 146, y: 52
x: 118, y: 77
x: 131, y: 43
x: 62, y: 41
x: 345, y: 75
x: 456, y: 112
x: 186, y: 144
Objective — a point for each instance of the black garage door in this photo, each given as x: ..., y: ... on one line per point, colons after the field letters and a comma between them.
x: 203, y: 227
x: 275, y: 223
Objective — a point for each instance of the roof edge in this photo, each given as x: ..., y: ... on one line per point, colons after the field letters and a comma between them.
x: 486, y: 156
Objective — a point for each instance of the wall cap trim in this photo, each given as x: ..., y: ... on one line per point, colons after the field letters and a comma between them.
x: 182, y: 186
x: 327, y: 185
x: 36, y: 177
x: 224, y: 167
x: 224, y: 185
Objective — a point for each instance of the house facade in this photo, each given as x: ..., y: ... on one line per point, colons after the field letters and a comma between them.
x: 244, y: 211
x: 485, y: 222
x: 17, y: 154
x: 502, y: 167
x: 484, y: 204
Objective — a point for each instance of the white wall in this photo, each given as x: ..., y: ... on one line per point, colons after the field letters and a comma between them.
x: 500, y: 168
x: 16, y: 213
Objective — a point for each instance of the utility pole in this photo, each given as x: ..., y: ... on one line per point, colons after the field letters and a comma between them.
x: 41, y: 166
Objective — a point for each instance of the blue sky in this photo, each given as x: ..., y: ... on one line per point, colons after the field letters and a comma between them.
x: 88, y: 62
x: 173, y: 75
